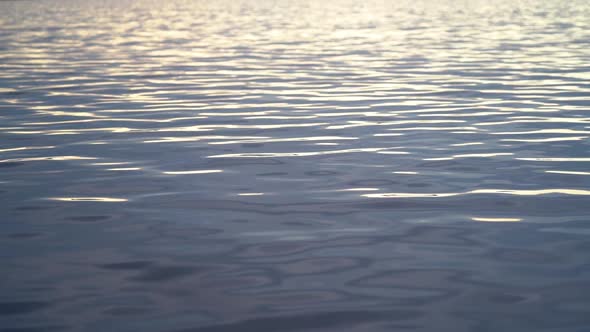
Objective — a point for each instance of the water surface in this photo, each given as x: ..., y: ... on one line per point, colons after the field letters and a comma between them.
x: 294, y: 165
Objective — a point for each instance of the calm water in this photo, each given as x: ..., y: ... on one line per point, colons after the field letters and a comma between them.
x: 237, y: 166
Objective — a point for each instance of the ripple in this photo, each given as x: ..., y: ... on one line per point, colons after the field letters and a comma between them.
x: 48, y: 158
x: 88, y: 199
x: 344, y: 165
x: 484, y: 191
x: 201, y: 171
x: 322, y: 320
x: 558, y: 159
x: 568, y: 172
x: 304, y: 154
x: 483, y: 219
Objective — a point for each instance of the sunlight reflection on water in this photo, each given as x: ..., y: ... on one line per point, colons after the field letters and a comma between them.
x: 294, y: 165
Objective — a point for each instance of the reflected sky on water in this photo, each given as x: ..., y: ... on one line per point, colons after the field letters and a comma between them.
x: 294, y: 165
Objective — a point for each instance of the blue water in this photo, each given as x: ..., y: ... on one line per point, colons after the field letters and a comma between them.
x: 236, y: 166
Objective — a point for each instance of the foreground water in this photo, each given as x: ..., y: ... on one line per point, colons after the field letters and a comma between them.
x: 294, y: 165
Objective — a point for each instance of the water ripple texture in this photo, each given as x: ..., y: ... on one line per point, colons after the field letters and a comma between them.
x: 193, y: 165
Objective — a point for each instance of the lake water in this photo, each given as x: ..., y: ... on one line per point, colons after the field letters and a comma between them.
x: 236, y: 166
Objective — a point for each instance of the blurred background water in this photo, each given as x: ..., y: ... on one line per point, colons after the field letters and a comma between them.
x: 294, y: 165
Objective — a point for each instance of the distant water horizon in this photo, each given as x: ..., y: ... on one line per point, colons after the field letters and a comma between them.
x: 338, y: 165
